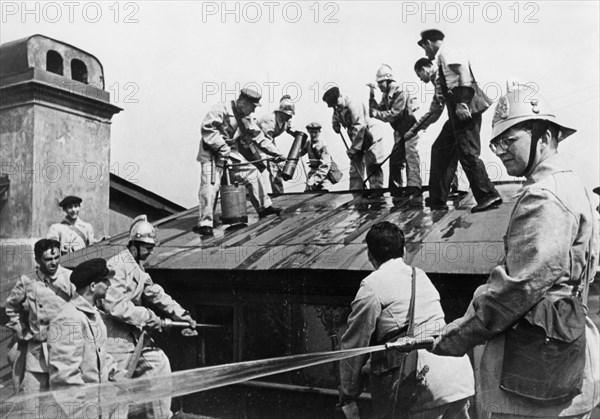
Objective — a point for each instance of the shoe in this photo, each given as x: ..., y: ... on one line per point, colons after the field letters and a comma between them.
x: 183, y: 415
x: 435, y: 204
x: 487, y: 204
x: 456, y: 193
x: 268, y: 211
x: 203, y: 230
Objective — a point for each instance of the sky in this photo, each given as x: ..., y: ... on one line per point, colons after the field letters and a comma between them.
x: 167, y: 63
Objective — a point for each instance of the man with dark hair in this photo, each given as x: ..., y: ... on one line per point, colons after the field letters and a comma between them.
x: 380, y: 314
x: 230, y: 132
x: 366, y: 149
x: 32, y: 303
x: 134, y: 302
x: 396, y: 109
x: 73, y: 233
x: 77, y: 352
x: 541, y: 349
x: 459, y: 139
x: 319, y: 159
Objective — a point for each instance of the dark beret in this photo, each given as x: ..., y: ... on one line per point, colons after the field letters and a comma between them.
x: 251, y: 95
x: 71, y: 199
x: 314, y: 126
x: 597, y: 190
x: 430, y: 35
x: 93, y: 270
x: 331, y: 96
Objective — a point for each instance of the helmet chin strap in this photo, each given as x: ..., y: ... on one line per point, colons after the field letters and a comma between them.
x: 539, y: 128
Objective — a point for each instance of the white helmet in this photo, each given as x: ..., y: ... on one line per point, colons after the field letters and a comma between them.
x: 384, y: 73
x: 142, y: 231
x: 522, y: 103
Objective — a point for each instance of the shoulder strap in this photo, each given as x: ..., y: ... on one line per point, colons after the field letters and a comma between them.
x: 78, y: 232
x: 411, y: 307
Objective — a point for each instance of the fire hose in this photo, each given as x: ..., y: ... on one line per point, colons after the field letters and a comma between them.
x: 132, y: 393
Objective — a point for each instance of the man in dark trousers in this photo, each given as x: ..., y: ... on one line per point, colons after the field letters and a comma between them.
x: 459, y: 138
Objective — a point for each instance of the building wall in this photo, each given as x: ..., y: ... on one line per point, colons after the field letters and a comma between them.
x: 72, y: 157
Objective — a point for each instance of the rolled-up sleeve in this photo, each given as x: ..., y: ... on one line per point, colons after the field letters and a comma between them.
x: 362, y: 321
x: 435, y: 110
x: 537, y: 256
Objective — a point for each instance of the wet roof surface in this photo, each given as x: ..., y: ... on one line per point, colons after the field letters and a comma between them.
x: 325, y: 231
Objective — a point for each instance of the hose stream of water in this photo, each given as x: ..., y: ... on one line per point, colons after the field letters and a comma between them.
x: 127, y: 394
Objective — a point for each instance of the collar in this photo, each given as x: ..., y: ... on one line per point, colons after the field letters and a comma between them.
x: 82, y: 304
x: 549, y: 166
x: 47, y: 278
x: 391, y: 263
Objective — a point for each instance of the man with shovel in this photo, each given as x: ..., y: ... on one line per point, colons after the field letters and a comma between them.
x: 366, y: 149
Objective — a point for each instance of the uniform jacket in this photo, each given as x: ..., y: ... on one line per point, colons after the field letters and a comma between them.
x: 77, y: 348
x: 547, y: 247
x: 127, y: 302
x: 220, y: 131
x: 353, y: 116
x: 380, y: 308
x: 319, y: 161
x: 32, y: 303
x: 69, y: 239
x: 395, y: 106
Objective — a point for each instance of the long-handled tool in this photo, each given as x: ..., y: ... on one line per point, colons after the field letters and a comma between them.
x: 352, y: 161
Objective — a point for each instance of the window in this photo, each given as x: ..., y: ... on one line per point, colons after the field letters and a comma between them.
x: 54, y: 62
x: 79, y: 71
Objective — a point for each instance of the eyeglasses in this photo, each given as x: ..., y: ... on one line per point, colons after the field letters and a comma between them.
x: 502, y: 143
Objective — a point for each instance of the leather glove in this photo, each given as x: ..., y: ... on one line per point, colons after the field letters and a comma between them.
x: 279, y: 159
x: 351, y: 153
x: 336, y: 129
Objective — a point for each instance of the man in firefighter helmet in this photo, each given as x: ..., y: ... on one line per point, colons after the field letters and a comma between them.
x: 134, y: 302
x: 531, y: 312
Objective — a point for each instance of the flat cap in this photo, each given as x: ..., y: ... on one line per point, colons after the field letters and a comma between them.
x: 93, y: 270
x: 331, y: 96
x: 68, y: 200
x: 430, y: 35
x: 314, y: 126
x: 251, y: 95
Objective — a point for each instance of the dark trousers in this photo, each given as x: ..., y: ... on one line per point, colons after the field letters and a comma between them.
x: 459, y: 143
x: 397, y: 163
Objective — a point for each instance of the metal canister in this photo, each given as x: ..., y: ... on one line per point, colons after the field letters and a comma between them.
x: 294, y: 155
x: 233, y: 204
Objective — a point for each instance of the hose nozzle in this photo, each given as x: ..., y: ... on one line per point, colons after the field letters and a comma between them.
x: 409, y: 344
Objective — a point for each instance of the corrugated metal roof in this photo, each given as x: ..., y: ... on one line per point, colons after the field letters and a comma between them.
x: 325, y: 231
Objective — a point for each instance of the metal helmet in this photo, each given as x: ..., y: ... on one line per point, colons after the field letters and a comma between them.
x: 286, y: 106
x: 384, y: 73
x: 142, y: 231
x: 523, y: 103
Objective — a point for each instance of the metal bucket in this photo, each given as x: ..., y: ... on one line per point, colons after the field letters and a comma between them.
x: 233, y: 204
x: 294, y: 155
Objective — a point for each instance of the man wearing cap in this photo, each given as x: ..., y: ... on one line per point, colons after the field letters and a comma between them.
x: 366, y: 149
x: 272, y: 126
x: 32, y: 303
x: 77, y: 352
x: 73, y: 233
x: 134, y: 302
x: 230, y: 132
x: 541, y: 350
x: 319, y: 159
x: 459, y: 139
x: 396, y: 109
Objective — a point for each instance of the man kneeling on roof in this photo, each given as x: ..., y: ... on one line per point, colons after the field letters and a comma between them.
x: 229, y: 131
